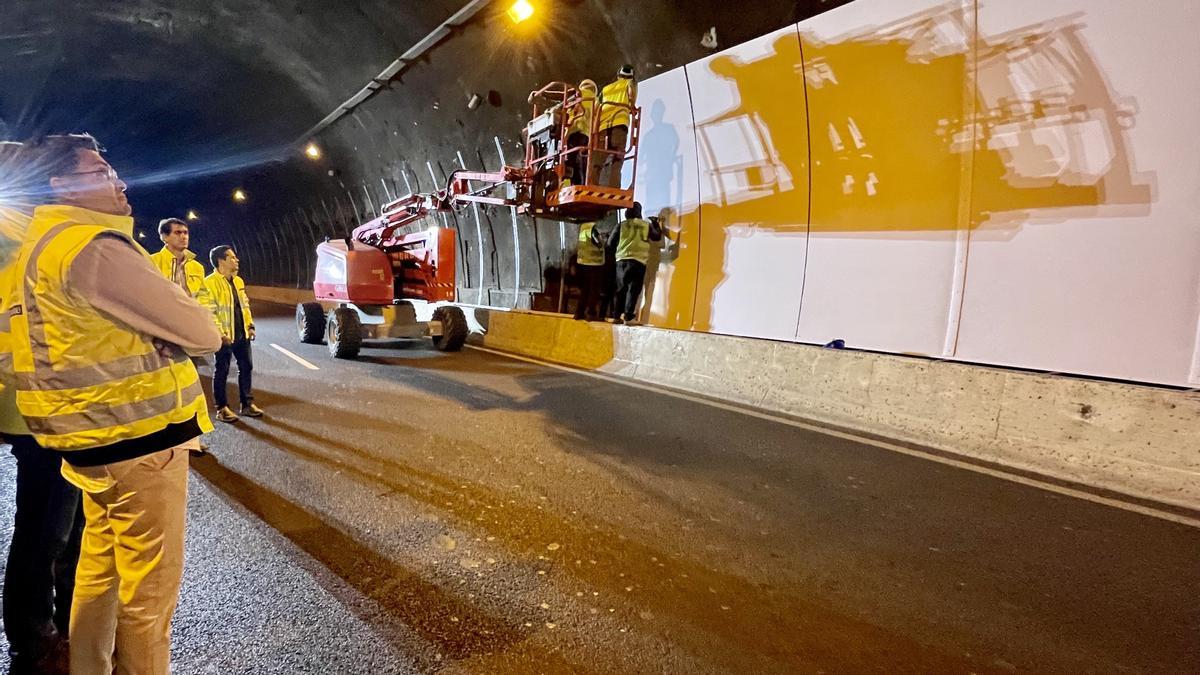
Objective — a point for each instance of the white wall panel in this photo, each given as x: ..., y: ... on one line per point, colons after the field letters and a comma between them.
x: 886, y: 94
x: 752, y: 140
x: 667, y: 187
x: 1087, y: 257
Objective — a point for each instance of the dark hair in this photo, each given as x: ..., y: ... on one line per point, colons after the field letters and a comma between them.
x: 634, y: 211
x: 48, y: 157
x: 166, y: 224
x: 218, y: 254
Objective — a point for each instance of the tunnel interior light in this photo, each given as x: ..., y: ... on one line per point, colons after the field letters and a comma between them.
x: 312, y: 151
x: 191, y: 215
x: 520, y: 11
x: 239, y: 195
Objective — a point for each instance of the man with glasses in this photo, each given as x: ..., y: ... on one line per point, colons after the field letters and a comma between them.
x: 100, y: 343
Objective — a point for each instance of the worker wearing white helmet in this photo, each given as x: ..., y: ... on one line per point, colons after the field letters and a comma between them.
x: 614, y: 104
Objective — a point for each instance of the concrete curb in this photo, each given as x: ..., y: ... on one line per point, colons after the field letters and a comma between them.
x: 1137, y: 440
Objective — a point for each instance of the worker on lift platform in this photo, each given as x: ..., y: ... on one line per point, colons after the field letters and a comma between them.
x: 579, y: 132
x: 614, y: 127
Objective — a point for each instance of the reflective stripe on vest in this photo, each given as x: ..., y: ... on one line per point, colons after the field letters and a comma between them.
x: 634, y: 243
x: 586, y: 251
x: 82, y: 380
x: 623, y: 90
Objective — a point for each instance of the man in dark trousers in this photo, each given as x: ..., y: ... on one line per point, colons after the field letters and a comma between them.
x: 589, y: 264
x: 632, y: 239
x: 224, y: 294
x: 39, y: 577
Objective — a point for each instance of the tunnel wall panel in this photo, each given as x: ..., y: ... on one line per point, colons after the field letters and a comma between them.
x: 1016, y: 187
x: 881, y: 80
x: 1086, y: 254
x: 667, y: 185
x: 752, y: 142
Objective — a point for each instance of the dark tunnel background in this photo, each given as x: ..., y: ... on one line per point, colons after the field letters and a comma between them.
x: 196, y: 98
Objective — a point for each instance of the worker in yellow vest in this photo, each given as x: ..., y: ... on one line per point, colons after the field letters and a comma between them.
x: 174, y: 260
x: 39, y: 577
x: 579, y: 132
x: 614, y: 128
x: 224, y: 294
x: 589, y: 267
x: 99, y: 355
x: 179, y: 265
x: 632, y: 240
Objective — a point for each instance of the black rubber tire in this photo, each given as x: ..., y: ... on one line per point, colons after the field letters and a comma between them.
x: 310, y: 322
x: 454, y: 328
x: 343, y: 332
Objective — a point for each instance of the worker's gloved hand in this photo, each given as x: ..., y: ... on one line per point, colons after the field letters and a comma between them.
x: 225, y: 342
x: 250, y: 333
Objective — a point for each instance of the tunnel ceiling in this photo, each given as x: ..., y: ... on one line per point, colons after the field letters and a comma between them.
x: 181, y: 90
x: 192, y: 97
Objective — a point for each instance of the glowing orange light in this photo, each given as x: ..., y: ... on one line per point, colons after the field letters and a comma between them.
x: 520, y: 10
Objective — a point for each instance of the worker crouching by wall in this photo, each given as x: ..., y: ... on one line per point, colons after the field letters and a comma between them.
x: 224, y: 294
x: 631, y: 239
x: 589, y: 264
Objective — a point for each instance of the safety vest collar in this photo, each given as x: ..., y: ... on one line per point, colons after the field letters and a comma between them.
x: 46, y: 217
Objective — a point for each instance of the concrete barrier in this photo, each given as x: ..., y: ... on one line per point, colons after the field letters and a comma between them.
x: 1137, y: 440
x: 282, y: 296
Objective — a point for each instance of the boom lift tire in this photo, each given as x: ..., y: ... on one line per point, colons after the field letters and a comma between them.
x: 310, y: 322
x: 454, y: 328
x: 343, y: 332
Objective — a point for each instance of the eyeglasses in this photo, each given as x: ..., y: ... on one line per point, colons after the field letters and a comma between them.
x: 108, y: 172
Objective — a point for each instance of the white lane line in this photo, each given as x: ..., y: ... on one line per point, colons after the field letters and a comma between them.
x: 1013, y: 478
x: 295, y: 358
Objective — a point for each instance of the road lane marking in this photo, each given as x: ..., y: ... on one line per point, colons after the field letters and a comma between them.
x: 968, y: 466
x: 295, y: 358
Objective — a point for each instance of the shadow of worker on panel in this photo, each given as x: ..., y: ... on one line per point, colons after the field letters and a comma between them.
x: 663, y: 169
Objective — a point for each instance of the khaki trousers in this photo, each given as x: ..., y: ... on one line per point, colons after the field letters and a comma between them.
x: 615, y: 138
x: 130, y: 563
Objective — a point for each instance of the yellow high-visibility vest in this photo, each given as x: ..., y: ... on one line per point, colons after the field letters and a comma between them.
x: 13, y: 225
x: 634, y: 242
x: 586, y: 251
x: 193, y: 271
x: 84, y: 381
x: 587, y: 105
x: 623, y: 90
x: 217, y: 296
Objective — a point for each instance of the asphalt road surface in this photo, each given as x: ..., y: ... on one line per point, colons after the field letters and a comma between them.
x: 415, y: 512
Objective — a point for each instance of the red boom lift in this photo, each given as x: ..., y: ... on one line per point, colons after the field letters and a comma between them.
x: 376, y: 279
